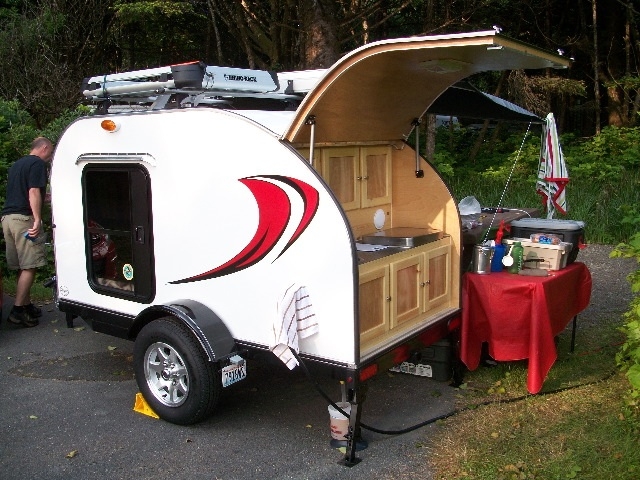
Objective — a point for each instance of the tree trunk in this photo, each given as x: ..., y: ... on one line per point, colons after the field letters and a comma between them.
x: 596, y: 66
x: 214, y: 23
x: 430, y: 137
x: 627, y: 61
x: 430, y: 144
x: 321, y: 46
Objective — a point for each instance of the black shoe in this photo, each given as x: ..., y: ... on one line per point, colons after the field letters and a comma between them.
x: 22, y: 318
x: 33, y: 311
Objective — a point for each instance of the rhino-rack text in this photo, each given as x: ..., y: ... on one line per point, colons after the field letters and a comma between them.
x: 239, y: 78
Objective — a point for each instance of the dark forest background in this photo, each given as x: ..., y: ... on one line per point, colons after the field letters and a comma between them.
x: 48, y: 46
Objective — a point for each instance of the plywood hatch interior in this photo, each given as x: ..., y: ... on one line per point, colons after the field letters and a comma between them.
x: 375, y: 92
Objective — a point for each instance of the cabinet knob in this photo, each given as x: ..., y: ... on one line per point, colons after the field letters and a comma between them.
x: 425, y: 283
x: 358, y: 178
x: 366, y: 177
x: 388, y: 299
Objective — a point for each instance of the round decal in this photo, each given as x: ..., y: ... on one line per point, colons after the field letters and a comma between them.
x: 127, y: 271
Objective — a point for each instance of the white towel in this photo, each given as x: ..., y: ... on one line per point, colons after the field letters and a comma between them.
x: 295, y: 319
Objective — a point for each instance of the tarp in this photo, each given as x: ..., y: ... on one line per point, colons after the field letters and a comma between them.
x: 466, y: 101
x: 552, y: 170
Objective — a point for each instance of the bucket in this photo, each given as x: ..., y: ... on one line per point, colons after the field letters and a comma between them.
x: 339, y: 424
x: 188, y: 75
x: 482, y: 259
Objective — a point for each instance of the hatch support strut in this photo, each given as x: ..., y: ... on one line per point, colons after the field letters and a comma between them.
x: 416, y: 125
x: 311, y: 120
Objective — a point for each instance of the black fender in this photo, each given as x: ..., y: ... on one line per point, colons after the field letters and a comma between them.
x: 209, y: 329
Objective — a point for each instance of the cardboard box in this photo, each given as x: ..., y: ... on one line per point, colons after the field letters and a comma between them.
x: 571, y: 231
x: 551, y: 257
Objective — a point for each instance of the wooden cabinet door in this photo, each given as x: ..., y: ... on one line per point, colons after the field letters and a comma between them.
x: 437, y: 276
x: 374, y: 303
x: 341, y: 171
x: 375, y: 170
x: 406, y: 297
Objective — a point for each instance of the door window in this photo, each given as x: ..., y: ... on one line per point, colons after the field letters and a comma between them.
x: 118, y: 238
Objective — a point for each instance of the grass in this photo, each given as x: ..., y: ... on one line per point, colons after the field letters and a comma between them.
x: 600, y: 203
x: 39, y: 293
x: 574, y: 429
x: 572, y: 434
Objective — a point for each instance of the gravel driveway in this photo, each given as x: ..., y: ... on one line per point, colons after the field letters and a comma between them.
x: 71, y: 390
x: 611, y: 292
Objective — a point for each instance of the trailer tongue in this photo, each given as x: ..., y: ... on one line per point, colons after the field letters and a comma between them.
x: 286, y: 214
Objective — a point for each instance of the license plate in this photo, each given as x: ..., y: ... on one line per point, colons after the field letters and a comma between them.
x: 234, y: 373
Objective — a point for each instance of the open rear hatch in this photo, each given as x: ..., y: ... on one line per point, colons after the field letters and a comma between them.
x: 395, y: 82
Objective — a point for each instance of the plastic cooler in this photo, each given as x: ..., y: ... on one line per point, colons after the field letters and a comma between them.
x: 570, y: 231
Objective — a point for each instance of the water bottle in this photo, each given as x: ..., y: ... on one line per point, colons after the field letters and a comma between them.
x: 517, y: 252
x: 496, y: 260
x: 40, y: 239
x: 499, y: 250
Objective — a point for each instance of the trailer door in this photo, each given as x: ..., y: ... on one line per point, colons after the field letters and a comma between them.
x: 118, y: 233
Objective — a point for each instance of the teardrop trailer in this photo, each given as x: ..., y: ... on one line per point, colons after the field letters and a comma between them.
x: 246, y: 211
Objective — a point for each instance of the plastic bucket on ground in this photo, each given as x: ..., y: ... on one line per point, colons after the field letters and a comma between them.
x: 339, y: 424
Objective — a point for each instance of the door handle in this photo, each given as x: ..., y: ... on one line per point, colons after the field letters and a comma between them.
x: 140, y: 234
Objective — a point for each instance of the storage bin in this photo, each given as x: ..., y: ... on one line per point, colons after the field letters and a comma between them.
x: 570, y: 231
x: 551, y: 257
x: 437, y: 358
x: 434, y: 361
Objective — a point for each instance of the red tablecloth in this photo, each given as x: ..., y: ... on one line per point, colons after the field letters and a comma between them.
x: 519, y: 316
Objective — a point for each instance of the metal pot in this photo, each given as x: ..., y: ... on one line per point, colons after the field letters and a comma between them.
x: 482, y: 259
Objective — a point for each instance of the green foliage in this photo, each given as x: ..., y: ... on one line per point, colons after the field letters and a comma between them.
x: 444, y: 163
x: 175, y: 26
x: 497, y: 152
x: 17, y: 130
x: 608, y: 155
x: 604, y: 187
x: 55, y: 128
x: 628, y: 358
x: 143, y: 11
x: 559, y: 85
x: 627, y: 82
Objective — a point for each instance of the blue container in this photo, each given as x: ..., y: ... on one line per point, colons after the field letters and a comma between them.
x: 496, y: 261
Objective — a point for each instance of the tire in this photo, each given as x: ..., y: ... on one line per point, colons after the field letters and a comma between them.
x: 174, y: 374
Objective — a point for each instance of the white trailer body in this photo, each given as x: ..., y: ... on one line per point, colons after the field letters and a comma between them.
x: 182, y: 228
x: 219, y: 185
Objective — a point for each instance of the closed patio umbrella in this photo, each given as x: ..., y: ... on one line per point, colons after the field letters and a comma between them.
x: 552, y: 170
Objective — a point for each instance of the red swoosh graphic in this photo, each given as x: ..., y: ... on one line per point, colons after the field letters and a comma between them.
x: 310, y: 198
x: 274, y: 213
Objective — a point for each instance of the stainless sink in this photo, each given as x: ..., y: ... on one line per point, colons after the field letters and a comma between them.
x: 405, y: 237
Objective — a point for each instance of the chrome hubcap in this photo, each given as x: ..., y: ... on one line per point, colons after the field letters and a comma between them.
x: 166, y: 374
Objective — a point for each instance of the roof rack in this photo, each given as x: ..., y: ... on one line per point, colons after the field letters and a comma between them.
x: 196, y: 84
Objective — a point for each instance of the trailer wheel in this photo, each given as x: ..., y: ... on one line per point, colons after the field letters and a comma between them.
x: 173, y: 373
